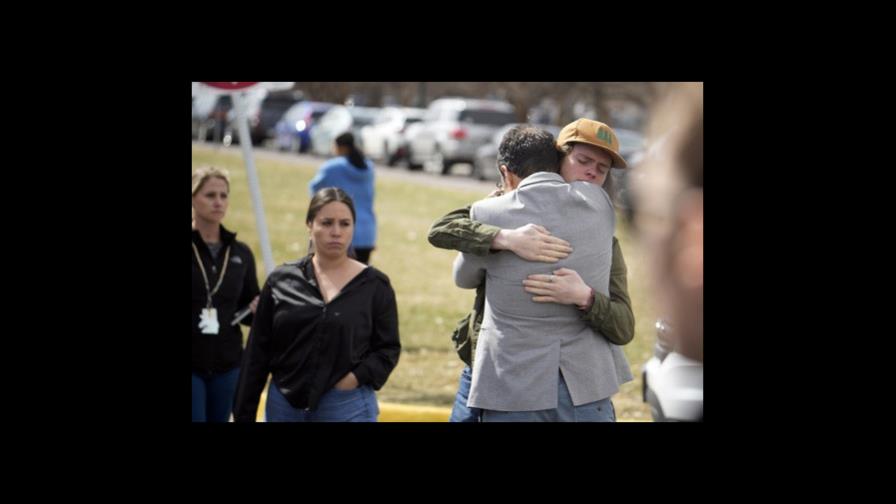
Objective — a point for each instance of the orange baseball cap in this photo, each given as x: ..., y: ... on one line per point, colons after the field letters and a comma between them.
x: 593, y: 133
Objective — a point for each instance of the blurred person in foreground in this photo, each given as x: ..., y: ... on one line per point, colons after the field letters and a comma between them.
x: 669, y: 219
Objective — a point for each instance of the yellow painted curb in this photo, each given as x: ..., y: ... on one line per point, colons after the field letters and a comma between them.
x: 389, y: 412
x: 393, y: 412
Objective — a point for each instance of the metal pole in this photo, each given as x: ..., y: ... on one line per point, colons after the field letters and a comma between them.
x: 254, y: 189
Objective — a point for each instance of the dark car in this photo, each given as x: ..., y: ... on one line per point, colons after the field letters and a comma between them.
x: 263, y: 114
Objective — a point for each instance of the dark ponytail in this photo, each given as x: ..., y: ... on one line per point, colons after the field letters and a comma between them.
x: 355, y: 156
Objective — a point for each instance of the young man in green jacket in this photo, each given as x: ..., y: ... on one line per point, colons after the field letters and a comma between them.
x: 610, y: 316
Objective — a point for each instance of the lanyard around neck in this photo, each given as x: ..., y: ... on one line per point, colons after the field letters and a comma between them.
x: 205, y: 277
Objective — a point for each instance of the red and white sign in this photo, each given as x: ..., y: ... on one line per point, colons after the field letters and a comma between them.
x: 230, y: 86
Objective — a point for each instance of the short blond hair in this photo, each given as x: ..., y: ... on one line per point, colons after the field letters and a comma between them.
x: 204, y: 173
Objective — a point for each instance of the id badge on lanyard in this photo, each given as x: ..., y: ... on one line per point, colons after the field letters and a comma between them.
x: 208, y: 318
x: 208, y: 321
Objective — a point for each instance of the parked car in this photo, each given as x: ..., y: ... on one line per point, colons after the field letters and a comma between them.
x: 336, y: 121
x: 202, y: 106
x: 294, y: 128
x: 672, y: 383
x: 263, y: 111
x: 410, y: 133
x: 384, y: 140
x: 210, y: 116
x: 631, y: 147
x: 253, y: 99
x: 454, y: 128
x: 485, y: 165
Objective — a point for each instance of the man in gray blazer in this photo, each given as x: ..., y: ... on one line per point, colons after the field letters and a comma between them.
x: 540, y: 361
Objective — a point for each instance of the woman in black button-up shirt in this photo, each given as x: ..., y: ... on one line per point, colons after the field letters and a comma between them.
x: 326, y: 329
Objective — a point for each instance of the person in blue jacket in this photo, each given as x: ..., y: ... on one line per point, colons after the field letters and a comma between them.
x: 353, y: 173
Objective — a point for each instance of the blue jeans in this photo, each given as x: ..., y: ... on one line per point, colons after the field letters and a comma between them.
x: 597, y: 411
x: 356, y: 405
x: 460, y: 412
x: 213, y: 395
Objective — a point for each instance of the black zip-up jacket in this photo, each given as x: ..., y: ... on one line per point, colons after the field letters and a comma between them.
x: 307, y: 346
x: 217, y: 353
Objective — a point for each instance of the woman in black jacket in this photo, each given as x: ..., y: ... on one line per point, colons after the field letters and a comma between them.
x: 224, y: 282
x: 326, y: 329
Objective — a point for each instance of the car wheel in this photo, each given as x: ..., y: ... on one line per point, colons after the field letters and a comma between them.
x: 441, y: 164
x: 411, y: 165
x: 385, y: 157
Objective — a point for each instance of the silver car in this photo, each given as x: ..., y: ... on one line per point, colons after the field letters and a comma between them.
x: 454, y: 128
x: 485, y: 166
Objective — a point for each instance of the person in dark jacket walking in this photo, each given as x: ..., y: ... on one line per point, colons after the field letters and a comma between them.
x: 326, y: 329
x: 224, y: 283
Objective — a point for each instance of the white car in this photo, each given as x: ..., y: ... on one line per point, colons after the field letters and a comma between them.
x: 454, y: 128
x: 673, y: 384
x: 338, y: 120
x: 384, y: 140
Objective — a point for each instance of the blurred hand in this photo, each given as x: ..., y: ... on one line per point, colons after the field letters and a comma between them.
x: 348, y: 382
x: 254, y: 305
x: 533, y: 243
x: 567, y: 287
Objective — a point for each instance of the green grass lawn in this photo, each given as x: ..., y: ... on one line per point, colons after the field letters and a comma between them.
x: 429, y: 304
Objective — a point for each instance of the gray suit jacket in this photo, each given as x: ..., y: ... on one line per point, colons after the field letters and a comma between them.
x: 522, y: 344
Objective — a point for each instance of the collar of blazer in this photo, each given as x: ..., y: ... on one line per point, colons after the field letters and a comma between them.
x: 541, y: 177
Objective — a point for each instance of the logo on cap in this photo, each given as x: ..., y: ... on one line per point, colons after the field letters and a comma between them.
x: 606, y: 136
